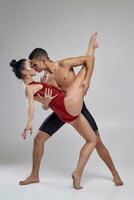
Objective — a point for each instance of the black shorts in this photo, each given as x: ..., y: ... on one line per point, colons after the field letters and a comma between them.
x: 52, y: 123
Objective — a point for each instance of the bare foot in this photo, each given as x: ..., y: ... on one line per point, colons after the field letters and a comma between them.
x: 76, y: 181
x: 29, y: 180
x: 117, y: 181
x: 93, y: 41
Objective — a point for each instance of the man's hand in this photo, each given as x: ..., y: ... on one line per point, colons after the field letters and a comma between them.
x: 45, y: 77
x: 47, y: 98
x: 85, y: 84
x: 27, y: 130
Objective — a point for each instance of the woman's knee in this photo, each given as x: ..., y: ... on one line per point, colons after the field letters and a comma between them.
x: 41, y: 137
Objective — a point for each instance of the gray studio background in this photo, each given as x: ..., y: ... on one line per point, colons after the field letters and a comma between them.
x: 63, y: 28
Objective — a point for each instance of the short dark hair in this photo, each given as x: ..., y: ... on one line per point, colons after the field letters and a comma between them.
x: 18, y: 67
x: 38, y: 53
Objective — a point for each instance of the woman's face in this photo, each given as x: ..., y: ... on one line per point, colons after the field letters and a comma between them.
x: 31, y: 71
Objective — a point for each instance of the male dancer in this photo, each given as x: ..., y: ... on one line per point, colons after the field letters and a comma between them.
x: 61, y: 75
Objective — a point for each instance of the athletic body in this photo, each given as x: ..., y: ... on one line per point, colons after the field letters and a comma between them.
x: 68, y: 107
x: 62, y: 80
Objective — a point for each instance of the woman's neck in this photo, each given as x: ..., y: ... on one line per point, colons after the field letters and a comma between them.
x: 27, y: 80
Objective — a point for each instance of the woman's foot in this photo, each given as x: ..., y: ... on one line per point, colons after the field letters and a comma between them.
x: 93, y: 41
x: 93, y: 44
x: 76, y: 180
x: 117, y: 180
x: 29, y: 180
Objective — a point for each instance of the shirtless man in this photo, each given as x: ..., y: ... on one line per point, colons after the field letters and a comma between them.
x: 61, y: 75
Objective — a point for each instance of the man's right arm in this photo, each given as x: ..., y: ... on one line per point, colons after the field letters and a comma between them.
x: 73, y: 62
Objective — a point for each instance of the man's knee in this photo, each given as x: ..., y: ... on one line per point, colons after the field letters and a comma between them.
x: 41, y: 137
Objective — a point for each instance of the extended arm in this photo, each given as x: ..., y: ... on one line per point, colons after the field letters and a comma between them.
x: 30, y: 113
x: 74, y: 62
x: 30, y: 106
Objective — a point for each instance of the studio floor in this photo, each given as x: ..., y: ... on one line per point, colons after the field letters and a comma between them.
x: 96, y: 185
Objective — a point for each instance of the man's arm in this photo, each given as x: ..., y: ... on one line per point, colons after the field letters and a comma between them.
x: 73, y: 62
x: 45, y: 104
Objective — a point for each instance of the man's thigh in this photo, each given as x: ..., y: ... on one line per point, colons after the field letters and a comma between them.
x: 90, y: 119
x: 51, y: 124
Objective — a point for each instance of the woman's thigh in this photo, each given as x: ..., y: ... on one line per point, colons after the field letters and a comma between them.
x: 75, y: 94
x: 76, y: 85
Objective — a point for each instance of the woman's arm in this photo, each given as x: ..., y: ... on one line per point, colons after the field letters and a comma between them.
x: 30, y: 113
x: 30, y: 105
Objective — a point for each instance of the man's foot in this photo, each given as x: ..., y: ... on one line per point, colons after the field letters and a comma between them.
x: 117, y: 181
x: 76, y: 181
x: 29, y: 180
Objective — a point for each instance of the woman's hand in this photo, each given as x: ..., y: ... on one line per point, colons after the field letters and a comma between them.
x: 27, y: 130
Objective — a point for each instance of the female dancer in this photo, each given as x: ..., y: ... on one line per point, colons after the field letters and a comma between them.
x: 68, y: 107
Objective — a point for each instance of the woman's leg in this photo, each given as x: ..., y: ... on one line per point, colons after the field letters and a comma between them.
x: 75, y: 93
x: 85, y: 130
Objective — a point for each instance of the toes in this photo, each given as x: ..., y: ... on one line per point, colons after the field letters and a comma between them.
x: 78, y: 188
x: 21, y: 183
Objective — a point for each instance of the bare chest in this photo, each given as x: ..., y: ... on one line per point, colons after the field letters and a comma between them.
x: 64, y: 77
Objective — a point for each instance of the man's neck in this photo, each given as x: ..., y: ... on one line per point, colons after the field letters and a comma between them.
x: 51, y: 66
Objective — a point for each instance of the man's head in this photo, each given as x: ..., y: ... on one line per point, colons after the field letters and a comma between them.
x: 38, y: 58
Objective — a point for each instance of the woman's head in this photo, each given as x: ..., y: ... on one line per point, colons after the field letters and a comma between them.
x: 22, y: 68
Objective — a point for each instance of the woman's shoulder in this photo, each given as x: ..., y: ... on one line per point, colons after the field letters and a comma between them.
x: 29, y: 89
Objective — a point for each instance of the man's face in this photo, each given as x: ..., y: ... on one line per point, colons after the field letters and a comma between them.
x: 38, y: 64
x: 28, y: 69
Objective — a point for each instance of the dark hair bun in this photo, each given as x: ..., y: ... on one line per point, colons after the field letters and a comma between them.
x: 13, y: 63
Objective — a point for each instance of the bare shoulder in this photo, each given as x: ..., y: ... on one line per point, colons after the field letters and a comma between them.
x: 32, y: 89
x: 63, y: 62
x: 72, y: 61
x: 28, y: 89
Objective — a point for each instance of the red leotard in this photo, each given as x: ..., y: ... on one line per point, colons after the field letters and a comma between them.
x: 57, y: 104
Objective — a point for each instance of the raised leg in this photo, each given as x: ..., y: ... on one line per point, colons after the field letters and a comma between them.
x: 93, y: 44
x: 38, y: 151
x: 85, y: 130
x: 77, y: 90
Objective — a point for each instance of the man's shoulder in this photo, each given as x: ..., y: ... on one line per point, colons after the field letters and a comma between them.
x: 62, y: 63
